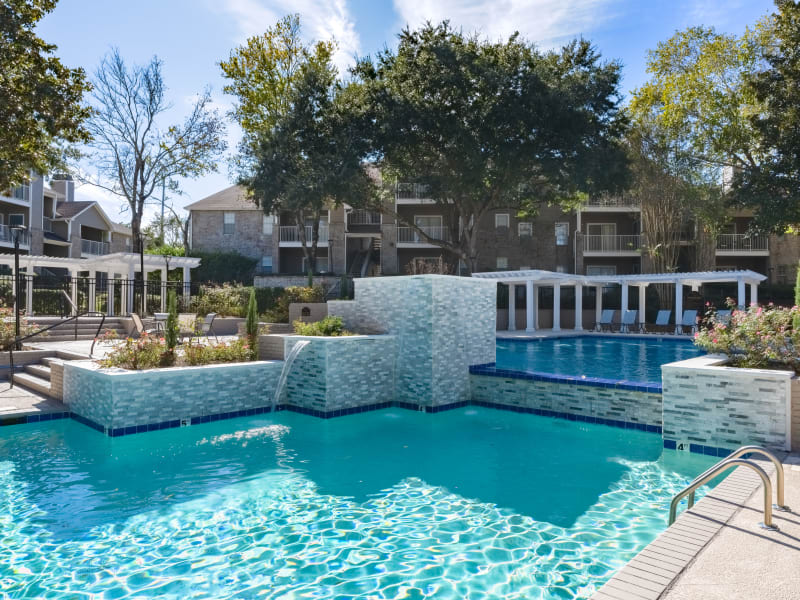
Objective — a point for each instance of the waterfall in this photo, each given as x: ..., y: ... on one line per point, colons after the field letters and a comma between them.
x: 287, y: 366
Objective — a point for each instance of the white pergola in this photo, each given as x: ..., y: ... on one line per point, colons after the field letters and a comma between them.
x: 534, y: 279
x: 119, y: 265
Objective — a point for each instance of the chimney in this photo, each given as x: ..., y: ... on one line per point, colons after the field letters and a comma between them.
x: 64, y: 184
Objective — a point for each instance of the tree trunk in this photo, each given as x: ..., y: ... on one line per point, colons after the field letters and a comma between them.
x: 705, y: 254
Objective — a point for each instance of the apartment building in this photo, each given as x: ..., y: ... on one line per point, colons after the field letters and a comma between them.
x: 56, y: 224
x: 604, y: 237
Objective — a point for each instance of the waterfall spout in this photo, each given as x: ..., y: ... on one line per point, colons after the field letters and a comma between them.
x: 287, y: 366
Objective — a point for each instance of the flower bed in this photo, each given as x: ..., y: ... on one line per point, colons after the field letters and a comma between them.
x: 151, y: 352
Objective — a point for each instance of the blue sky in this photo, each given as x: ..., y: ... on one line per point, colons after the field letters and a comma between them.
x: 192, y: 36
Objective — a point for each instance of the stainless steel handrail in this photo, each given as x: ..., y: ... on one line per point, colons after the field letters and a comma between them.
x: 779, y: 505
x: 716, y: 470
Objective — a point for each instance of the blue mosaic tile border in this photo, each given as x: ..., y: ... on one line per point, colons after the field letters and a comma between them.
x: 37, y: 418
x: 658, y: 337
x: 491, y: 370
x: 699, y: 449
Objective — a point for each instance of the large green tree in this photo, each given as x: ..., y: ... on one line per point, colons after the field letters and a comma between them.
x: 492, y: 124
x: 772, y: 186
x: 40, y: 99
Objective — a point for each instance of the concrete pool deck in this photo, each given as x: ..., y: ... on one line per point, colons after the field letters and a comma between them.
x: 717, y: 550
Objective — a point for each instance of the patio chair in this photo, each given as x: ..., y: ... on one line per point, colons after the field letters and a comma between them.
x: 606, y: 322
x: 207, y: 327
x: 662, y: 321
x: 723, y: 317
x: 689, y: 320
x: 628, y: 323
x: 138, y: 324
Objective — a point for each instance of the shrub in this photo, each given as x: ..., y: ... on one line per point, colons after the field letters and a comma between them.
x: 327, y: 327
x: 251, y: 325
x: 8, y: 327
x: 172, y: 329
x: 223, y: 267
x: 226, y: 300
x: 759, y: 337
x: 147, y: 352
x: 202, y: 354
x: 280, y: 312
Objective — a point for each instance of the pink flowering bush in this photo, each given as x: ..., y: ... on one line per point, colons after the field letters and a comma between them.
x: 761, y: 337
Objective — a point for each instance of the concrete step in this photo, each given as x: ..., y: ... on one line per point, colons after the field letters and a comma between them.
x: 32, y: 382
x: 41, y: 371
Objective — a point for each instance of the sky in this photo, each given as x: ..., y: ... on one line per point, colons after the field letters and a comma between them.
x: 192, y: 36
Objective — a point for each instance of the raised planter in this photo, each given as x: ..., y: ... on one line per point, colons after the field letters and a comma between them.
x: 714, y: 408
x: 120, y: 402
x: 308, y: 312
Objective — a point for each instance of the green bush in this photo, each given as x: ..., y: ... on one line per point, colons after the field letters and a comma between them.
x: 231, y: 300
x: 202, y: 354
x: 147, y: 352
x: 280, y: 312
x: 223, y: 267
x: 172, y: 329
x: 327, y: 327
x: 266, y: 297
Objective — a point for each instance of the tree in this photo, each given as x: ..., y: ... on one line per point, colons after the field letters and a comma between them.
x: 772, y: 186
x: 492, y: 125
x: 251, y: 324
x: 171, y: 231
x: 40, y: 98
x: 133, y: 152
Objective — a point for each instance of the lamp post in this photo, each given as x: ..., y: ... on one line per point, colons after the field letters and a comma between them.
x: 17, y: 233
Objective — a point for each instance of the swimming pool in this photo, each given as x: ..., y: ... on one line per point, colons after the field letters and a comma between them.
x: 470, y: 503
x: 615, y: 358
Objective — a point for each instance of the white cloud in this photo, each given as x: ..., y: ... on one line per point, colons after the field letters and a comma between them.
x: 545, y: 22
x: 320, y: 19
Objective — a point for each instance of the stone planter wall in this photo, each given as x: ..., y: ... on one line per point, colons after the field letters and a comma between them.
x: 719, y: 408
x: 316, y: 311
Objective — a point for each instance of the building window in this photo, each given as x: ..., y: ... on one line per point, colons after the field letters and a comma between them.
x: 16, y: 219
x: 502, y: 262
x: 228, y: 223
x: 782, y: 274
x: 501, y: 220
x: 267, y: 223
x: 562, y: 234
x: 525, y: 229
x: 601, y: 270
x: 266, y: 264
x: 601, y: 228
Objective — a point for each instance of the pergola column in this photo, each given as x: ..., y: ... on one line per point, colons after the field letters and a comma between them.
x: 29, y: 292
x: 678, y: 306
x: 753, y: 293
x: 530, y: 318
x: 557, y: 307
x: 624, y: 298
x: 642, y: 289
x: 512, y: 307
x: 110, y: 304
x: 163, y: 289
x: 129, y: 307
x: 187, y: 285
x: 74, y: 291
x: 578, y: 306
x: 598, y: 303
x: 740, y: 293
x: 92, y: 290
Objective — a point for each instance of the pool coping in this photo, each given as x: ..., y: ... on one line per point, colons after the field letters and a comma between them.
x: 649, y: 574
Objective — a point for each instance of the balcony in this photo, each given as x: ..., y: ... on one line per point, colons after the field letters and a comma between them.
x: 363, y: 218
x: 47, y: 224
x: 612, y: 204
x: 95, y: 248
x: 7, y: 237
x: 289, y: 235
x: 413, y: 193
x: 409, y: 235
x: 612, y: 245
x: 729, y: 244
x: 19, y: 195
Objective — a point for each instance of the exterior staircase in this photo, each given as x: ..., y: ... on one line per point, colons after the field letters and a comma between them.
x: 37, y: 377
x: 86, y: 328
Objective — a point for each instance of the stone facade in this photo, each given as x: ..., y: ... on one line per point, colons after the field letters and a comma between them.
x: 710, y: 405
x: 248, y: 236
x: 442, y: 326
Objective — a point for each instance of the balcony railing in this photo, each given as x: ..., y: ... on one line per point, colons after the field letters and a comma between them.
x: 412, y: 191
x: 739, y: 242
x: 95, y: 248
x: 6, y: 235
x: 613, y: 201
x: 611, y: 243
x: 21, y: 192
x: 363, y: 217
x: 47, y: 224
x: 289, y: 233
x: 408, y: 235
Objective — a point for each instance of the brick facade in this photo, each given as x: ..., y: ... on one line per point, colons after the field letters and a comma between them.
x: 247, y: 238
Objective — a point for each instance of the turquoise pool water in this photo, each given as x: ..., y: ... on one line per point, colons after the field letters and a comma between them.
x: 472, y: 503
x: 631, y: 359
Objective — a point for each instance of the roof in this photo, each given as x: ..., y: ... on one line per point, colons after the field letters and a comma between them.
x: 692, y: 278
x: 49, y: 236
x: 68, y: 210
x: 232, y: 198
x: 121, y: 228
x: 48, y: 191
x: 120, y: 262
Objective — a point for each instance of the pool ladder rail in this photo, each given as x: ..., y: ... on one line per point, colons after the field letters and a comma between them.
x: 734, y: 460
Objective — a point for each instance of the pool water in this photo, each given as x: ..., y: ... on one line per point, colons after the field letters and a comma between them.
x: 472, y: 503
x: 630, y: 359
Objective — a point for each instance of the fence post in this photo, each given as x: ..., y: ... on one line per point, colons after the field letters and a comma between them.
x: 29, y: 295
x: 187, y: 287
x: 163, y: 290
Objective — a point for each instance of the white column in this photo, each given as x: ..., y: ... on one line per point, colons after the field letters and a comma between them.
x: 642, y: 289
x: 557, y: 307
x: 110, y: 304
x: 74, y: 291
x: 578, y: 306
x: 29, y: 292
x: 187, y: 285
x: 753, y: 293
x: 129, y: 307
x: 624, y: 296
x: 598, y: 304
x: 740, y: 296
x: 512, y: 307
x: 530, y: 323
x: 678, y: 306
x: 163, y: 289
x: 92, y: 291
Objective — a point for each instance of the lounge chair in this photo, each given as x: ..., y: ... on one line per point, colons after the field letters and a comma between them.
x: 606, y: 322
x: 628, y: 323
x: 138, y: 324
x: 662, y: 321
x: 689, y: 320
x: 723, y: 317
x: 207, y: 327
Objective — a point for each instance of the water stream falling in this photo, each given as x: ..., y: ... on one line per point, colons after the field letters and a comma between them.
x: 287, y: 366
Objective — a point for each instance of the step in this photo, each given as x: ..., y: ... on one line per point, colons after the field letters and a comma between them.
x: 40, y: 371
x: 32, y: 382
